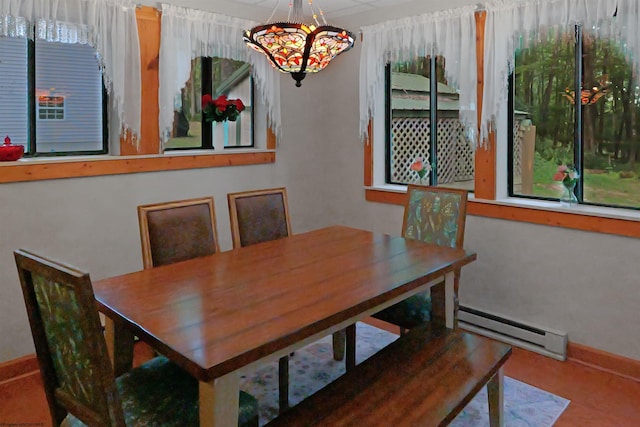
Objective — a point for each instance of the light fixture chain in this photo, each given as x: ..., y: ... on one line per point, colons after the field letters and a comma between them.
x: 297, y: 11
x: 274, y: 11
x: 315, y: 15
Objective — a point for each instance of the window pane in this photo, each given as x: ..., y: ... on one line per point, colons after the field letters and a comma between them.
x: 611, y: 143
x: 410, y: 136
x: 232, y: 78
x: 68, y: 98
x: 455, y: 158
x: 187, y: 128
x: 410, y: 130
x: 543, y: 116
x: 14, y: 113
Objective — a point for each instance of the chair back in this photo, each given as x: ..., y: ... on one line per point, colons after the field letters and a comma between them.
x: 258, y: 216
x: 71, y: 349
x: 176, y: 231
x: 435, y: 215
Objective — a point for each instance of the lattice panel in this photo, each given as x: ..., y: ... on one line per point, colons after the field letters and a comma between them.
x: 517, y: 148
x: 411, y: 138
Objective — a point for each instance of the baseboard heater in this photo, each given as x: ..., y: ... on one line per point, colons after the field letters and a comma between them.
x: 543, y: 341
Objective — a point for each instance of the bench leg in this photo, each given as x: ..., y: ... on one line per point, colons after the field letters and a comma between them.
x: 283, y: 384
x: 495, y: 393
x: 338, y: 339
x: 351, y: 347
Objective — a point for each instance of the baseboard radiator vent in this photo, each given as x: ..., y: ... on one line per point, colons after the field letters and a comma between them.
x: 543, y: 341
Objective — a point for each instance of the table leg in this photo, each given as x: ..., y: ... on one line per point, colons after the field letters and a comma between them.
x: 495, y: 393
x: 443, y: 303
x: 119, y: 346
x: 219, y: 401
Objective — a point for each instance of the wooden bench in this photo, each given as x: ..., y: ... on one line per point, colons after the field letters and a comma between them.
x: 425, y: 378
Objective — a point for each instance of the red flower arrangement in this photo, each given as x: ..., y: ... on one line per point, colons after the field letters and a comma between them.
x: 221, y: 108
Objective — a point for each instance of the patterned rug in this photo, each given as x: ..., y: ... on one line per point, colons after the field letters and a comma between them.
x: 312, y: 367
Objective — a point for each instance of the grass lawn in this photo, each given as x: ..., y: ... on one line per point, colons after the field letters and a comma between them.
x: 600, y: 187
x: 191, y: 141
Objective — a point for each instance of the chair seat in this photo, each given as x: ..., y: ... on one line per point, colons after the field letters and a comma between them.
x: 408, y: 313
x: 160, y: 393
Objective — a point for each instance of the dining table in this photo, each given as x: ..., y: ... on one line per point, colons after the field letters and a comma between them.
x: 223, y: 315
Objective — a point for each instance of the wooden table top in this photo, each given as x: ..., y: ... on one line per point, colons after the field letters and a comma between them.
x: 216, y: 314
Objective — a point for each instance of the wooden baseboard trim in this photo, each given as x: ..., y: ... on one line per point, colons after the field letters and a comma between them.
x: 608, y: 362
x: 18, y: 367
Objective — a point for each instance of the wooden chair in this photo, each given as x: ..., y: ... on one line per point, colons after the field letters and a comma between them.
x: 258, y: 216
x: 261, y: 216
x: 432, y: 215
x: 177, y: 231
x: 76, y: 371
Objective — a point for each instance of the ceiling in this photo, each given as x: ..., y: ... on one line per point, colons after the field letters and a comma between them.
x: 332, y: 8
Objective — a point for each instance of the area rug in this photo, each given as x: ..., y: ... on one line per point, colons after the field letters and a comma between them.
x: 312, y: 367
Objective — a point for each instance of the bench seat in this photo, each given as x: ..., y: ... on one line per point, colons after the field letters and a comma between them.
x: 425, y: 378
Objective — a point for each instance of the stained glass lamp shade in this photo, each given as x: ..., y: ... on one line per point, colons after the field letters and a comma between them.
x: 298, y: 48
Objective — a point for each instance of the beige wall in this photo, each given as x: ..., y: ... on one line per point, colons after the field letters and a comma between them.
x: 583, y: 283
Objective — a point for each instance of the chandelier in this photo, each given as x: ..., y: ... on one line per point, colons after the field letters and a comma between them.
x: 297, y: 48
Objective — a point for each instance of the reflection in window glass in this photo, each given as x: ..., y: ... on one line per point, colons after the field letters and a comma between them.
x: 443, y: 147
x: 51, y: 107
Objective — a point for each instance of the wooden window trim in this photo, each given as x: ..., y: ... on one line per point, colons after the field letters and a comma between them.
x: 38, y: 170
x: 484, y: 203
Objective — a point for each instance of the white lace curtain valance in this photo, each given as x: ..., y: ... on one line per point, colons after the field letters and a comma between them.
x: 187, y: 34
x: 107, y: 25
x: 509, y: 20
x: 449, y: 33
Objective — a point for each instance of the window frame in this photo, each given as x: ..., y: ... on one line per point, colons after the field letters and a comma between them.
x: 578, y: 132
x: 433, y: 126
x: 433, y: 123
x: 33, y: 109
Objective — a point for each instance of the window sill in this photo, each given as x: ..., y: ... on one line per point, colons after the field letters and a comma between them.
x: 36, y: 169
x: 622, y: 222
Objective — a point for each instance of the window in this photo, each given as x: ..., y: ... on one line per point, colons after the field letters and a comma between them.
x: 215, y: 76
x: 52, y: 99
x: 420, y: 125
x: 595, y: 131
x: 51, y: 107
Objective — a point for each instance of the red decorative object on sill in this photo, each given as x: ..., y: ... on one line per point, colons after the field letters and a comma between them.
x: 10, y: 152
